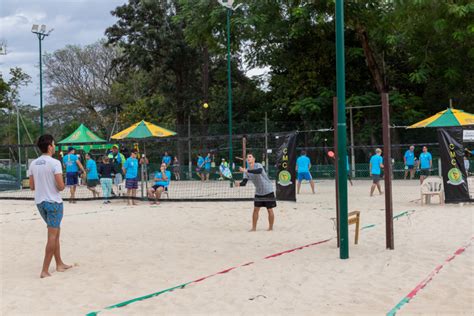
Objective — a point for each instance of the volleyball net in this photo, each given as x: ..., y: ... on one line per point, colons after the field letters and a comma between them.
x: 202, y: 170
x: 187, y: 177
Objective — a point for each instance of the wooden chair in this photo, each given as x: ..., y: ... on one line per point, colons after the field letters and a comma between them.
x: 432, y: 186
x: 354, y: 218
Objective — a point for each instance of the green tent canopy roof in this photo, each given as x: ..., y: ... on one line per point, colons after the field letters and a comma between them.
x: 82, y: 135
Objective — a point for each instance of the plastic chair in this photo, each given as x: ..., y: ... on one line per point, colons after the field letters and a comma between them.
x: 432, y: 186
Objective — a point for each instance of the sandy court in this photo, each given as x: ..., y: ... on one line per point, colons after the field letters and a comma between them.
x: 121, y: 253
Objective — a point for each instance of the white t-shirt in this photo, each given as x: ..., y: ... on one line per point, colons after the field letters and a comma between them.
x: 43, y: 170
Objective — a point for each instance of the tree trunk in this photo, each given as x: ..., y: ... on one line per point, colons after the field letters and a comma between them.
x: 205, y: 73
x: 377, y: 74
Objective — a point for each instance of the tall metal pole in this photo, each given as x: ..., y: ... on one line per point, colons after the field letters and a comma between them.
x: 352, y: 145
x: 40, y: 38
x: 190, y: 162
x: 387, y: 147
x: 229, y: 87
x: 341, y: 132
x: 19, y: 141
x: 266, y: 143
x: 336, y: 172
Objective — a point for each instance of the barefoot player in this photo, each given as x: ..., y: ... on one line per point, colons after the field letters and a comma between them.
x: 264, y: 195
x: 46, y: 179
x: 375, y: 167
x: 303, y: 167
x: 72, y: 164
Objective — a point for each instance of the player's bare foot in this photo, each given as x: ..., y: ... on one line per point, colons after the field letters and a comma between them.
x: 253, y: 230
x: 44, y: 275
x: 63, y: 267
x: 270, y: 229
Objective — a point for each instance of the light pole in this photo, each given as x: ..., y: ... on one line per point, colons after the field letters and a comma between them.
x: 228, y: 4
x: 41, y: 33
x: 341, y: 132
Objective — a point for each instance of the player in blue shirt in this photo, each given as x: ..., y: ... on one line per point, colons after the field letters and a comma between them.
x: 72, y: 165
x: 376, y: 166
x: 426, y: 163
x: 166, y: 159
x: 162, y: 181
x: 409, y: 160
x: 200, y: 167
x: 92, y: 175
x: 348, y: 168
x: 207, y: 167
x: 130, y: 168
x: 303, y: 167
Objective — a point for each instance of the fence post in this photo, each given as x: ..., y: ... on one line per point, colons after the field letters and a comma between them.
x: 439, y: 167
x: 190, y: 162
x: 388, y: 171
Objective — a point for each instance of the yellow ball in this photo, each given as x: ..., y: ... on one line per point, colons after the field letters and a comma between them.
x: 205, y: 105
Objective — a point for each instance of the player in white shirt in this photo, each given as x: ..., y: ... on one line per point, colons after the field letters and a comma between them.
x: 46, y: 179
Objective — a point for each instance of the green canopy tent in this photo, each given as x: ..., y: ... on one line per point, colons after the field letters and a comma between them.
x: 84, y: 135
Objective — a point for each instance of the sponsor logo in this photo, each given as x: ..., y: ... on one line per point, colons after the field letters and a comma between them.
x: 455, y: 176
x: 284, y: 178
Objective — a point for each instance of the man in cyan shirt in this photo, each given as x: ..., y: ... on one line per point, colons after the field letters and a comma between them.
x: 426, y: 163
x: 46, y: 179
x: 303, y: 167
x: 166, y: 159
x: 92, y: 175
x: 207, y: 166
x: 376, y: 166
x: 264, y: 193
x: 200, y: 167
x: 409, y: 160
x: 130, y: 168
x: 72, y: 164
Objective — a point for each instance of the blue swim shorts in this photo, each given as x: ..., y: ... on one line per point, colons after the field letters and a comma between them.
x: 71, y: 178
x: 304, y: 176
x: 52, y: 213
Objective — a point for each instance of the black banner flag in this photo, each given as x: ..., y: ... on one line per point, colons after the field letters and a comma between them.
x: 452, y: 164
x: 286, y: 166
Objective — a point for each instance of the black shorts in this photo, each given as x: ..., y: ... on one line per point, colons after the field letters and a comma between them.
x: 91, y: 183
x: 376, y: 178
x: 267, y: 200
x: 425, y: 172
x: 155, y: 187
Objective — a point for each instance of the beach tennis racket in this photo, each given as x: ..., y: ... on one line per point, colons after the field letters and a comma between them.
x: 226, y: 173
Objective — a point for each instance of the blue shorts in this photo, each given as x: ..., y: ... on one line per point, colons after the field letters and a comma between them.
x: 131, y: 183
x: 51, y: 212
x: 71, y: 178
x: 304, y: 176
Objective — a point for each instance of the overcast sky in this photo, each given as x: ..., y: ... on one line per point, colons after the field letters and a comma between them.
x: 74, y: 22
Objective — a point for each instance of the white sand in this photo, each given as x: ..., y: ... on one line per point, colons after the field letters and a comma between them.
x: 124, y: 252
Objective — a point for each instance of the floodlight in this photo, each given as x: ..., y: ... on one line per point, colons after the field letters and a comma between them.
x: 43, y: 29
x: 226, y: 3
x: 34, y: 28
